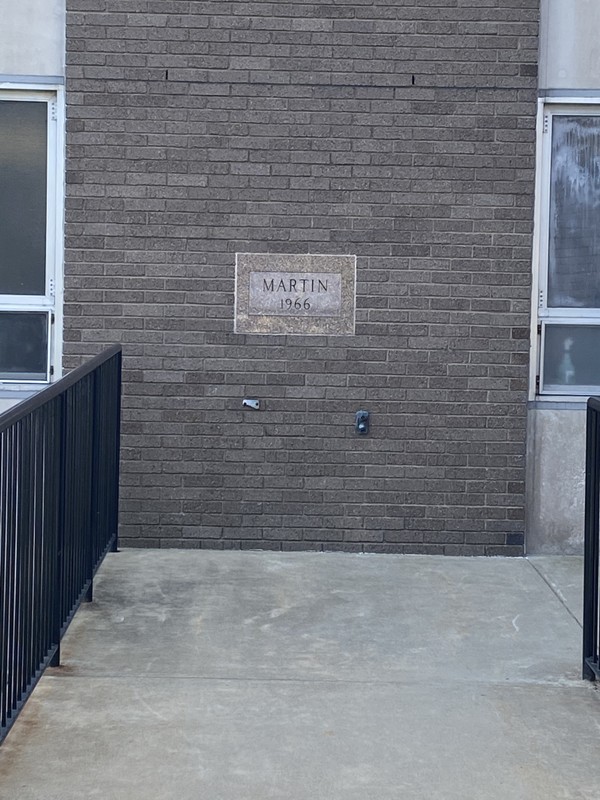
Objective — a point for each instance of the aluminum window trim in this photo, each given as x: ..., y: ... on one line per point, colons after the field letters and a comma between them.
x: 542, y: 314
x: 52, y: 301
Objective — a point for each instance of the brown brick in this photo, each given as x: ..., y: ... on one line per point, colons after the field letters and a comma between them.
x: 401, y: 133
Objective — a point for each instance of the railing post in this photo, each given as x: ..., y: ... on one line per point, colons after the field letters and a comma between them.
x: 55, y: 660
x: 590, y: 584
x: 93, y: 487
x: 119, y: 386
x: 61, y: 406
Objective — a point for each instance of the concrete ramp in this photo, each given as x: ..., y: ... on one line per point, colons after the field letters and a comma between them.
x: 308, y: 676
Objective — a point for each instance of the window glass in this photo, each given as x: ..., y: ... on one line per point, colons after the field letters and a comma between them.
x: 571, y: 357
x: 574, y: 240
x: 23, y: 139
x: 24, y: 345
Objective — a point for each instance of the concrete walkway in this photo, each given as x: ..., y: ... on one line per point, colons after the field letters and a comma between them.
x: 250, y: 676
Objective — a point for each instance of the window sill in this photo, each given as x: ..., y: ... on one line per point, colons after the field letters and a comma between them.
x: 556, y: 404
x: 20, y: 392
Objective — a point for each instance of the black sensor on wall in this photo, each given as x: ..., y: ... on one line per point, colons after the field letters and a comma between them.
x: 361, y: 422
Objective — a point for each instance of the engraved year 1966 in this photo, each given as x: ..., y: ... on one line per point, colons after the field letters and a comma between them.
x: 294, y: 305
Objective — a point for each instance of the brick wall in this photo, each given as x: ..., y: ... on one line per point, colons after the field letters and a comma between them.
x: 402, y: 132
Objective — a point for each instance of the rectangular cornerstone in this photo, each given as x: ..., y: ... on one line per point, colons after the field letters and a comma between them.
x: 302, y: 294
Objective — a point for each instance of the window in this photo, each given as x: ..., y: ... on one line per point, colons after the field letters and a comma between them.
x: 30, y: 245
x: 569, y: 251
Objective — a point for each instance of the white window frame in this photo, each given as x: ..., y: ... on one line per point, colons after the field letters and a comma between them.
x: 541, y: 314
x: 52, y: 300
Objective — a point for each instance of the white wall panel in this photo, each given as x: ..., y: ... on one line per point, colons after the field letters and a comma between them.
x: 32, y: 37
x: 570, y: 44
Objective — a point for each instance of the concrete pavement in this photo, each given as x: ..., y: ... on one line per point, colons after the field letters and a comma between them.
x: 259, y: 675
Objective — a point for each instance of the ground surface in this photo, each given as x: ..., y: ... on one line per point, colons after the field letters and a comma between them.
x: 257, y: 676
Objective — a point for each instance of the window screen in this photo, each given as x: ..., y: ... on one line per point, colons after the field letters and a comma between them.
x: 23, y: 148
x: 24, y: 345
x: 571, y: 355
x: 574, y: 235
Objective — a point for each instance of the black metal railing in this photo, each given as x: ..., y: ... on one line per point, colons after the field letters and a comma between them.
x: 59, y: 479
x: 591, y: 663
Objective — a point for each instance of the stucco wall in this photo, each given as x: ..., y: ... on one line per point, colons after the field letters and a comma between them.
x: 556, y: 480
x: 32, y: 38
x: 570, y: 45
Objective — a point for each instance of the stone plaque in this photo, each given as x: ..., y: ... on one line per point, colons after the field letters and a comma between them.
x: 305, y: 294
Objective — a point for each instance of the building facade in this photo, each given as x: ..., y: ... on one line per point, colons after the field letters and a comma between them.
x: 402, y: 136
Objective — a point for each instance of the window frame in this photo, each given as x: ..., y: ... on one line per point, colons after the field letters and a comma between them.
x: 52, y: 300
x: 543, y: 315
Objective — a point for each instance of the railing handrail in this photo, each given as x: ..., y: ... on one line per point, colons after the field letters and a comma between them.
x: 594, y: 403
x: 30, y: 404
